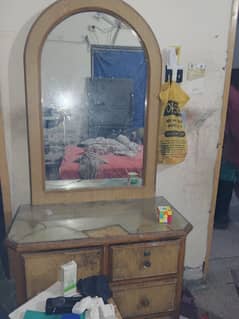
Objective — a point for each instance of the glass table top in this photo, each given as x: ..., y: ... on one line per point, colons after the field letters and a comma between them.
x: 34, y: 224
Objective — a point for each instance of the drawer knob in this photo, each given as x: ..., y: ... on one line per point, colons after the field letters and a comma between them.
x: 147, y: 253
x: 145, y: 302
x: 147, y: 264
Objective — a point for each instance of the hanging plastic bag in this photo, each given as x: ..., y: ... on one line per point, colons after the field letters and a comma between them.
x: 172, y: 142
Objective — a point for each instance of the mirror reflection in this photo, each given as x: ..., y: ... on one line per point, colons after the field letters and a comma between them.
x: 93, y: 97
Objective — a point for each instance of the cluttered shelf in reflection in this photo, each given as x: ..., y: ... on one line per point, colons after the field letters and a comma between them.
x: 54, y: 185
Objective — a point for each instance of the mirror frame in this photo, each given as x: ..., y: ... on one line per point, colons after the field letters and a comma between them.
x: 52, y: 16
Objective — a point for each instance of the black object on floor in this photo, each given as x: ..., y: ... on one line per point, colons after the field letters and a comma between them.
x: 95, y: 286
x: 188, y: 307
x: 61, y: 305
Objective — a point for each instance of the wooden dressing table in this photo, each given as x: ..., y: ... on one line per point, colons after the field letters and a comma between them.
x: 107, y: 226
x: 122, y: 239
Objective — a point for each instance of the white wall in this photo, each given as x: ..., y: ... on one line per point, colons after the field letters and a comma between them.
x: 202, y: 32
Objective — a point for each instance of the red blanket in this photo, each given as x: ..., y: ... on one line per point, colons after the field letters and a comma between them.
x: 116, y: 166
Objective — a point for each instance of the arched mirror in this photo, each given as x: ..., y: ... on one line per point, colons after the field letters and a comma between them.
x: 92, y: 80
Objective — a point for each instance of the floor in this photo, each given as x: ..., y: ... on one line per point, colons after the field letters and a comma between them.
x: 219, y: 295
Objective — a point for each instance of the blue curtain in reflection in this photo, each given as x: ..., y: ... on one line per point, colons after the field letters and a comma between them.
x: 125, y: 63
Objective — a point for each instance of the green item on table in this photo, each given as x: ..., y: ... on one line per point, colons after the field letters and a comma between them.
x: 29, y: 314
x: 133, y: 178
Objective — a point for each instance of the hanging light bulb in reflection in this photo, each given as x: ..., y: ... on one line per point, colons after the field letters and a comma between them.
x: 65, y: 100
x: 65, y: 103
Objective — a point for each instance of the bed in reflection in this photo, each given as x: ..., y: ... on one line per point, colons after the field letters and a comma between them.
x: 100, y: 140
x: 101, y: 158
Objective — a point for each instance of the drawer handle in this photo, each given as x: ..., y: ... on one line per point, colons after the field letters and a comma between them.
x: 147, y: 264
x: 145, y: 302
x: 147, y: 253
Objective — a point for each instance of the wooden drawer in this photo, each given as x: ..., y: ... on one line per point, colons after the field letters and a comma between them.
x: 144, y: 260
x: 41, y: 269
x: 146, y: 298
